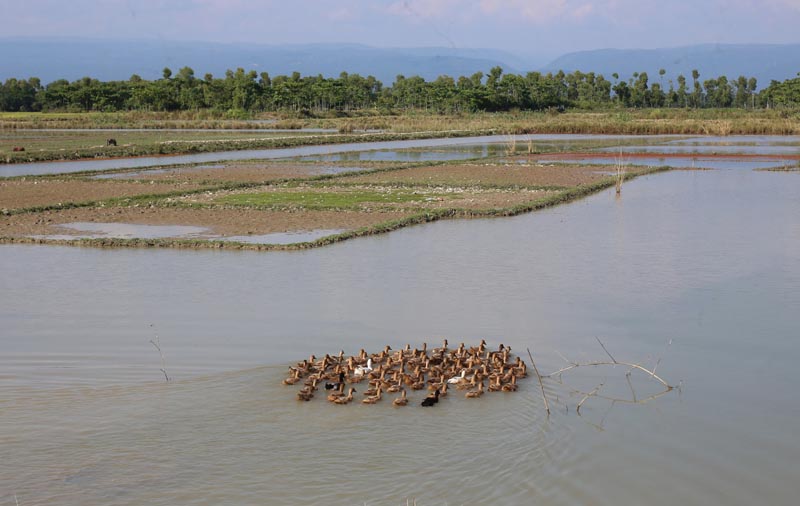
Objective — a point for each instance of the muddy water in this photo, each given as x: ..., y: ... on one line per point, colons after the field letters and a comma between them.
x: 709, y: 260
x: 468, y: 143
x: 699, y: 162
x: 96, y: 230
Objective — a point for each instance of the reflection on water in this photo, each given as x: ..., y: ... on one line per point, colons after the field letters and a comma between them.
x: 760, y: 149
x: 66, y: 167
x: 751, y: 140
x: 675, y: 162
x: 412, y: 155
x: 95, y: 230
x: 708, y: 259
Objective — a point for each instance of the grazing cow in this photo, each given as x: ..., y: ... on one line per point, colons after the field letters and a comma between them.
x: 111, y: 142
x: 18, y: 148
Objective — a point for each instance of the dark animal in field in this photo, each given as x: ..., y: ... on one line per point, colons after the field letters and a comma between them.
x: 111, y: 142
x: 18, y: 148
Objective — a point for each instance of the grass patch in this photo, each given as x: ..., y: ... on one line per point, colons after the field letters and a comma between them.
x: 342, y: 199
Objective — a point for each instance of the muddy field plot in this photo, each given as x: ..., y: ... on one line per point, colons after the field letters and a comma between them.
x: 512, y: 174
x: 239, y: 172
x: 190, y: 206
x: 41, y: 192
x: 218, y: 222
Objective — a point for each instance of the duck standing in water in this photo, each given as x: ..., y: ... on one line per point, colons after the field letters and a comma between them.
x: 337, y: 394
x: 345, y: 399
x: 472, y: 394
x: 337, y: 385
x: 402, y: 400
x: 455, y: 380
x: 294, y: 378
x: 431, y: 399
x: 373, y: 399
x: 363, y: 369
x: 307, y: 393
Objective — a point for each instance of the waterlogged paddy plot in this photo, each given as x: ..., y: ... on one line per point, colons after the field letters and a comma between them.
x: 458, y: 144
x: 246, y: 203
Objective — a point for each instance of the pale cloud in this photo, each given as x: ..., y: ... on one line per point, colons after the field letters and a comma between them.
x: 426, y: 8
x: 341, y: 14
x: 527, y: 10
x: 540, y: 11
x: 537, y: 11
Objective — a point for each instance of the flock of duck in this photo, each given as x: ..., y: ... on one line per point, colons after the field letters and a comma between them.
x: 393, y: 372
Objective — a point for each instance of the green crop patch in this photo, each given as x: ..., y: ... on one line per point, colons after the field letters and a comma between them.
x: 331, y: 199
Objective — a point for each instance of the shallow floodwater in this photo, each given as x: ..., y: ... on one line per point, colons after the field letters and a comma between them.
x: 469, y: 143
x: 734, y: 149
x: 698, y: 162
x: 97, y: 230
x: 707, y: 259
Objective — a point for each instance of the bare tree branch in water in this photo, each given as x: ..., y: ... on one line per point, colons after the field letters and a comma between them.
x: 635, y: 399
x: 590, y: 394
x: 539, y: 376
x: 157, y: 344
x: 614, y: 362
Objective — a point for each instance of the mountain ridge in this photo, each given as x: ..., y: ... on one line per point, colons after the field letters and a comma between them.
x: 52, y: 58
x: 766, y: 62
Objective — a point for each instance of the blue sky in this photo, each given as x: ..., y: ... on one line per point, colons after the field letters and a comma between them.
x: 546, y: 27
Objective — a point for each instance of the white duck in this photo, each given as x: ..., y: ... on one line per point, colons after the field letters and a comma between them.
x: 458, y: 379
x: 363, y: 369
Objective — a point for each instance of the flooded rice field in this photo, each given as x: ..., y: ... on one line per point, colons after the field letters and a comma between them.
x: 475, y: 146
x: 707, y: 260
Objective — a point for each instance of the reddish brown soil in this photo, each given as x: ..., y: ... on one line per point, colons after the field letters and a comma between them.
x: 235, y: 173
x: 221, y: 221
x: 35, y: 192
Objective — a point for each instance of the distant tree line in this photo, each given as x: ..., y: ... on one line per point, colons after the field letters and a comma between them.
x: 245, y: 92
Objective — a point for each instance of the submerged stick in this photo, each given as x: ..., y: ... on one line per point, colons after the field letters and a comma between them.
x: 157, y: 344
x: 628, y: 379
x: 604, y: 349
x: 598, y: 363
x: 593, y: 392
x: 541, y: 385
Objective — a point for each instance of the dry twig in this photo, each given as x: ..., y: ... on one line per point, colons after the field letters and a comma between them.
x: 590, y: 394
x: 157, y: 344
x: 539, y: 376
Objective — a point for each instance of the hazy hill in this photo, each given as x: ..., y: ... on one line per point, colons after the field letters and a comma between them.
x: 765, y: 62
x: 51, y: 59
x: 71, y: 58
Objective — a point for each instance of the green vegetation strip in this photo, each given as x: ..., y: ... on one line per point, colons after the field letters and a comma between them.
x: 347, y: 199
x: 381, y: 228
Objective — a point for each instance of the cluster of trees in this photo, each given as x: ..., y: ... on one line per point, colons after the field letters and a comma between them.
x: 784, y: 94
x: 251, y: 92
